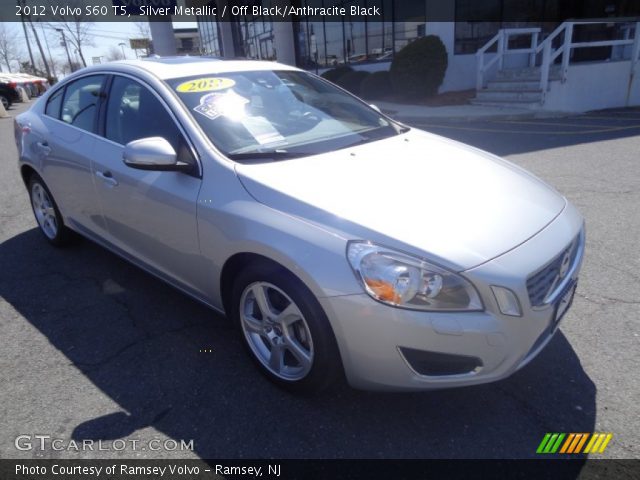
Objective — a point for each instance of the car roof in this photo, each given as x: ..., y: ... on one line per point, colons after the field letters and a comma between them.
x: 176, y: 67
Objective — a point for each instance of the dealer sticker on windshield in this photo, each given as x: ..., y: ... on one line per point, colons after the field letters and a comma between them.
x: 229, y: 103
x: 207, y: 84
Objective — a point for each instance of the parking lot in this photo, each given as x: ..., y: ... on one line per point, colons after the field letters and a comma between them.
x: 93, y: 348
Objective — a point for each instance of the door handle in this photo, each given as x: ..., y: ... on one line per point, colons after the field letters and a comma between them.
x: 107, y: 178
x: 44, y: 147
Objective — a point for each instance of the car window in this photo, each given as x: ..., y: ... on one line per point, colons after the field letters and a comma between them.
x: 81, y: 102
x: 53, y: 104
x: 134, y: 112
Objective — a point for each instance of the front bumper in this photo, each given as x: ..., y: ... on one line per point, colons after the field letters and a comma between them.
x: 374, y: 338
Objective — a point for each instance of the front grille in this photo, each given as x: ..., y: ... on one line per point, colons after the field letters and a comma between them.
x: 547, y: 279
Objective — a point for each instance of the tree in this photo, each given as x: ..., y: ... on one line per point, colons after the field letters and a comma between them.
x: 26, y: 67
x: 10, y: 49
x: 143, y: 31
x: 76, y: 27
x: 113, y: 54
x: 67, y: 69
x: 417, y: 71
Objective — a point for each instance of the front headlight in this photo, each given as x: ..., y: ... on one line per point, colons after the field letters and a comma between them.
x: 404, y: 281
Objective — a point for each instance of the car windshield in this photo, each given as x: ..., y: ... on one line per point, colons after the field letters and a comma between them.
x: 271, y: 115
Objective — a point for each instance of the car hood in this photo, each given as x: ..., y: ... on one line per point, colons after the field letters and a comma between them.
x: 418, y: 192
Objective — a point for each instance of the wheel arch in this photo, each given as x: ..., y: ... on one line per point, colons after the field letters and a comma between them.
x: 239, y: 261
x: 26, y: 172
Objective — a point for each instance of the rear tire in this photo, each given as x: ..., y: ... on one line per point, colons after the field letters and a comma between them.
x: 6, y: 103
x: 284, y: 329
x: 47, y: 214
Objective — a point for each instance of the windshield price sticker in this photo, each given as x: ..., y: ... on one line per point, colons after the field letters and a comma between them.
x: 208, y: 84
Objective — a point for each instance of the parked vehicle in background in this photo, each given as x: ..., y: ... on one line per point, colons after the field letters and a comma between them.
x: 35, y: 85
x: 9, y: 92
x: 32, y: 85
x: 338, y: 240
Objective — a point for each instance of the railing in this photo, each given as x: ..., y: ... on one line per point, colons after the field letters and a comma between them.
x: 502, y: 39
x: 550, y: 53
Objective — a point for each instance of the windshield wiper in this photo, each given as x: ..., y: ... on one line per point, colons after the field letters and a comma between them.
x: 265, y: 156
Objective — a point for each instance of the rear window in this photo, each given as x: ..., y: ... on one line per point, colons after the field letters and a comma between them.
x: 53, y: 104
x: 80, y: 103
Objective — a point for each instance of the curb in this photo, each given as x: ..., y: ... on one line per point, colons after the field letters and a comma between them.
x: 472, y: 118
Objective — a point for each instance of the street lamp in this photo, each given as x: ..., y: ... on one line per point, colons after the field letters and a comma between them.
x: 122, y: 44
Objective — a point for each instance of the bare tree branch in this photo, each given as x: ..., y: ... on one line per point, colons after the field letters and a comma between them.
x: 10, y: 49
x: 114, y: 53
x: 143, y: 29
x: 76, y: 27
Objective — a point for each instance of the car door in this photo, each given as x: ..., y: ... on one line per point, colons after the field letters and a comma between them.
x: 151, y: 215
x: 64, y: 146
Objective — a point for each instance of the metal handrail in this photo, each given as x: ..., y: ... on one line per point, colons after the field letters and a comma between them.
x: 549, y: 54
x: 502, y: 37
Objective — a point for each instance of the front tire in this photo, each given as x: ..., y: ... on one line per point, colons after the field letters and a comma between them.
x: 6, y: 103
x: 284, y: 329
x: 47, y: 213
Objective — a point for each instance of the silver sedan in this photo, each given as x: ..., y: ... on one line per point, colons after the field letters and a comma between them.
x: 341, y: 242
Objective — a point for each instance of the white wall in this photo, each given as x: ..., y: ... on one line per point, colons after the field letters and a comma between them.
x: 461, y: 72
x: 593, y: 86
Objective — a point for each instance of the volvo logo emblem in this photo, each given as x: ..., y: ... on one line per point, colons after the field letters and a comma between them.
x: 564, y: 266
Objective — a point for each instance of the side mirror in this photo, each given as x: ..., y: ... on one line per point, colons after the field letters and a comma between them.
x: 375, y: 107
x: 152, y: 153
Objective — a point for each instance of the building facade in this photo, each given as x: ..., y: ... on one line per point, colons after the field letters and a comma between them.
x: 370, y: 44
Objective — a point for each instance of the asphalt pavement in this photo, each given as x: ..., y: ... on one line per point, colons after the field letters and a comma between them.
x: 93, y: 348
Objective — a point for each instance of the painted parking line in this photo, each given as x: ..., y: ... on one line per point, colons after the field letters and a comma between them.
x: 555, y: 124
x: 526, y: 132
x: 603, y: 117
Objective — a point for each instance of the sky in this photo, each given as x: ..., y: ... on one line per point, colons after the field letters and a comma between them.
x: 104, y: 36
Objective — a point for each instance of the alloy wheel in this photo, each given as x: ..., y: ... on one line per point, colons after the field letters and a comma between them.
x: 44, y: 210
x: 276, y: 331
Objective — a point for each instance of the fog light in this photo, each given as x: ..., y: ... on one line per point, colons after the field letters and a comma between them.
x: 507, y: 301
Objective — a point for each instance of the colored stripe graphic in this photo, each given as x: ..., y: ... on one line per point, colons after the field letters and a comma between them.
x: 591, y: 442
x: 550, y: 443
x: 581, y: 443
x: 569, y: 443
x: 606, y: 442
x: 578, y: 437
x: 543, y: 443
x: 555, y: 447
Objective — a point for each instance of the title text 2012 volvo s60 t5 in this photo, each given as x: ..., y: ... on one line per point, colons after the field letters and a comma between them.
x: 340, y: 241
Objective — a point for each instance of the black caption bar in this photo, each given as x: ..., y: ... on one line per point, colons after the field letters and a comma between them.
x: 316, y: 10
x: 548, y: 469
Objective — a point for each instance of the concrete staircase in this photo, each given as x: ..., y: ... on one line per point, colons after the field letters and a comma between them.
x: 515, y: 88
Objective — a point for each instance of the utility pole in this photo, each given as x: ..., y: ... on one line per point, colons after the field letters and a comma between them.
x: 122, y: 44
x: 46, y: 42
x: 64, y: 44
x: 26, y: 37
x: 44, y: 58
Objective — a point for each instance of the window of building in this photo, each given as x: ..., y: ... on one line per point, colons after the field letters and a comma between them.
x: 325, y: 44
x: 489, y: 16
x: 210, y: 41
